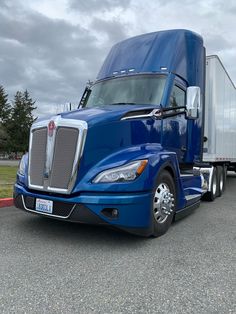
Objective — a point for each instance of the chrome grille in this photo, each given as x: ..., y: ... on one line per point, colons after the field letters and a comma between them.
x: 64, y: 155
x: 38, y: 155
x: 54, y: 158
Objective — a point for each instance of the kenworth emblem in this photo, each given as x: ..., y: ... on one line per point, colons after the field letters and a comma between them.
x: 51, y: 128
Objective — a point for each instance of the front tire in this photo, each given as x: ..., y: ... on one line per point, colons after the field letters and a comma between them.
x: 164, y: 203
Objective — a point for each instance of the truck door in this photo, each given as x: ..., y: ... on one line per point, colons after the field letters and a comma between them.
x: 174, y: 133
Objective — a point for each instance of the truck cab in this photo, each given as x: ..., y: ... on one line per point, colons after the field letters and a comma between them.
x: 131, y: 156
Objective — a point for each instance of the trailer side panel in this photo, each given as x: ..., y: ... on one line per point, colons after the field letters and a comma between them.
x: 220, y: 114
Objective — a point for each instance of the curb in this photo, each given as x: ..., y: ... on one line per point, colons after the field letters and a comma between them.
x: 6, y: 202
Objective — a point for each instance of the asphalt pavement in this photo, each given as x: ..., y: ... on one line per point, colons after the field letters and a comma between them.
x: 49, y: 266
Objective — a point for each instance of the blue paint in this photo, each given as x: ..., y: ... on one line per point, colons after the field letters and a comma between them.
x: 132, y: 207
x: 179, y: 51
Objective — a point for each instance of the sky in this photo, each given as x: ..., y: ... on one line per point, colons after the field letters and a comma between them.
x: 52, y: 48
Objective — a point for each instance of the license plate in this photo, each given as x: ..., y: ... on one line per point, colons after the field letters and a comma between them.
x: 44, y: 206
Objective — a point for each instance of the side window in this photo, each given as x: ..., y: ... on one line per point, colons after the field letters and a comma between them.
x: 177, y: 97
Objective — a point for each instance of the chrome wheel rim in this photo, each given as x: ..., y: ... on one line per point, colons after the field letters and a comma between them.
x: 214, y: 185
x: 221, y: 182
x: 163, y: 203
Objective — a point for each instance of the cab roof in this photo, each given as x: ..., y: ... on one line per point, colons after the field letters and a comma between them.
x: 178, y: 51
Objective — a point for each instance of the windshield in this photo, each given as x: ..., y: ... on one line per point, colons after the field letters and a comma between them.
x: 136, y: 89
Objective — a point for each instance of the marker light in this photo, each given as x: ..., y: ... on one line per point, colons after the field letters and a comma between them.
x: 21, y: 168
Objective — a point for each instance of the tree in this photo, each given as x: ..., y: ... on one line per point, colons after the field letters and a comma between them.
x: 5, y: 108
x: 4, y: 138
x: 21, y: 120
x: 5, y: 113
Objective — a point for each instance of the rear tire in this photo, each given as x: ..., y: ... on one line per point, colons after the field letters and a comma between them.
x: 225, y: 175
x: 220, y: 180
x: 164, y: 203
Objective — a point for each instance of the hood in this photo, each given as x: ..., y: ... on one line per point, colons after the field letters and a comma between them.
x: 108, y: 134
x: 107, y: 114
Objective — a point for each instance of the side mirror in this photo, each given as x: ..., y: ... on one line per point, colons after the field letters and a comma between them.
x: 193, y: 102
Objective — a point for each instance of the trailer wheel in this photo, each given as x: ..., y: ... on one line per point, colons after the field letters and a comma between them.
x: 225, y: 175
x: 220, y: 180
x: 212, y: 194
x: 164, y: 202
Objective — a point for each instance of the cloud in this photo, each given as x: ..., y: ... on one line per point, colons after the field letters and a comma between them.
x: 54, y: 57
x: 51, y: 58
x: 114, y: 29
x: 85, y: 6
x: 5, y: 4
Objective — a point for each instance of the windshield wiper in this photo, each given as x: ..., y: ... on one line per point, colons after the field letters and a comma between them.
x: 123, y: 103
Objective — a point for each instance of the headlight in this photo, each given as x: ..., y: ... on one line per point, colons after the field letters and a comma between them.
x: 125, y: 173
x: 21, y: 168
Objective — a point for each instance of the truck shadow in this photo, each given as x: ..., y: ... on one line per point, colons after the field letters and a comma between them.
x: 231, y: 174
x: 55, y: 231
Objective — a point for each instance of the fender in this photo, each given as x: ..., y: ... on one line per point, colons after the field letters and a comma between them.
x: 171, y: 165
x: 158, y: 160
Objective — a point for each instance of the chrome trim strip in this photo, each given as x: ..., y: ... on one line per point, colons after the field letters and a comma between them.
x: 45, y: 214
x: 156, y: 113
x: 191, y: 197
x: 82, y: 126
x: 50, y: 152
x: 186, y: 175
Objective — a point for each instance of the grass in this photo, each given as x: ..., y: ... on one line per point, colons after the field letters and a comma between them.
x: 7, y: 179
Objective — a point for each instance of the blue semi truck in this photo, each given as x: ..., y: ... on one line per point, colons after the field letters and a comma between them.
x: 143, y: 147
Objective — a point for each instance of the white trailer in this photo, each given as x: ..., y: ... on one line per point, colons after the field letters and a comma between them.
x: 220, y: 114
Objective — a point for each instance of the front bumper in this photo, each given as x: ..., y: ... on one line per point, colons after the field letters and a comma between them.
x: 134, y: 209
